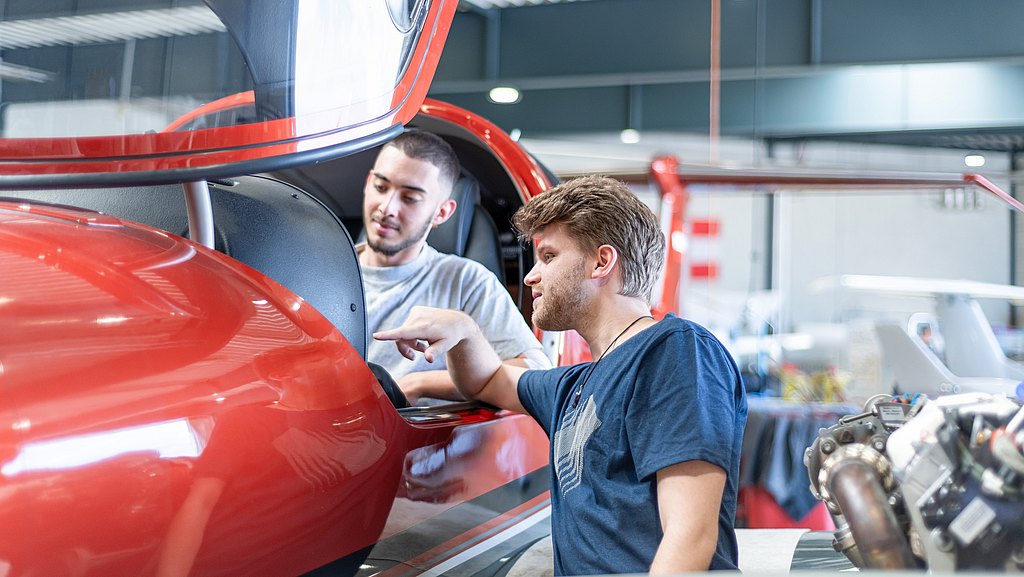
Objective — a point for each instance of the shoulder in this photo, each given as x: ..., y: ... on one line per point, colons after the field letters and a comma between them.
x: 675, y: 328
x: 686, y: 340
x: 454, y: 265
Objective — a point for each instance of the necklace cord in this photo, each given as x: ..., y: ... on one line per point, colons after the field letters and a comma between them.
x: 579, y: 391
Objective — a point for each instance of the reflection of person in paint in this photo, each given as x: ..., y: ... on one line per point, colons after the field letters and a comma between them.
x: 299, y: 450
x: 474, y: 457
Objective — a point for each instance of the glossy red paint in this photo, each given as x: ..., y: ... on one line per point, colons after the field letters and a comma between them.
x: 529, y: 178
x: 412, y: 88
x: 476, y: 459
x: 155, y: 390
x: 136, y: 351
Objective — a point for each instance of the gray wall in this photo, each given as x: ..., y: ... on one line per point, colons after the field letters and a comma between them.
x: 788, y: 66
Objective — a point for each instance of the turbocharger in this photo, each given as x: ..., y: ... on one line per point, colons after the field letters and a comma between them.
x: 914, y: 483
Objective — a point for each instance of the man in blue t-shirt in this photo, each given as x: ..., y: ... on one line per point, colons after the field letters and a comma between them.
x: 645, y: 440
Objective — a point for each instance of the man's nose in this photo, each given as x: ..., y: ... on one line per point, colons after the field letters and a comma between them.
x: 532, y: 277
x: 387, y: 205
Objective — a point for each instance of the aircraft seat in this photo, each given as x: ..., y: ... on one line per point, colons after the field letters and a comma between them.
x: 470, y: 232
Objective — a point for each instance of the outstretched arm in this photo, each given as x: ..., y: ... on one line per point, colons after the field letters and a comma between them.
x: 435, y: 384
x: 438, y: 384
x: 475, y: 368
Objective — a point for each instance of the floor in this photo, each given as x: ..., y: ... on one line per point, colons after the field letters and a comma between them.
x: 762, y: 551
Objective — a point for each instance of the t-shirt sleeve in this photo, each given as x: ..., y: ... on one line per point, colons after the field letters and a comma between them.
x: 537, y: 391
x: 683, y: 406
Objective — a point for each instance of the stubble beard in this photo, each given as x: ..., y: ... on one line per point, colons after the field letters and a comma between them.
x: 391, y: 249
x: 564, y: 304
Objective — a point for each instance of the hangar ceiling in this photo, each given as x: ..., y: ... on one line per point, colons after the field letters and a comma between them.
x: 942, y: 73
x: 920, y: 72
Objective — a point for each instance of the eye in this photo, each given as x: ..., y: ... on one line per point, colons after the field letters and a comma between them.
x: 378, y: 186
x: 546, y: 257
x: 411, y: 199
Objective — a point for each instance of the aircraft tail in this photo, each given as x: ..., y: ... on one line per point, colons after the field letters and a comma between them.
x: 971, y: 346
x: 914, y: 368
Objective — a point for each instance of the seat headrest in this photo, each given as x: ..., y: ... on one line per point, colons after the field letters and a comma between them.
x: 452, y: 236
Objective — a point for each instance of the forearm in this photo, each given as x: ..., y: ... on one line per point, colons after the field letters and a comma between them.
x: 439, y: 385
x: 472, y: 363
x: 683, y: 551
x: 689, y: 495
x: 434, y: 384
x: 475, y: 368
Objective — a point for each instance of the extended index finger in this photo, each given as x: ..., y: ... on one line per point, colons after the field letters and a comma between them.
x: 399, y: 333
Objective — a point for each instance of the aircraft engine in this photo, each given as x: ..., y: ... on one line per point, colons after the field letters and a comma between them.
x: 914, y: 483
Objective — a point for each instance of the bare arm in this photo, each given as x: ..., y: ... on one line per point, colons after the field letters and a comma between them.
x: 434, y: 384
x: 475, y: 368
x: 438, y: 384
x: 689, y: 496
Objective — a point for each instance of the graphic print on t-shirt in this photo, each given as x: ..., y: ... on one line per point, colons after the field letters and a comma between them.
x: 570, y: 439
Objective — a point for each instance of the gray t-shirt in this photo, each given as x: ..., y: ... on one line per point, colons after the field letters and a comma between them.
x: 447, y: 281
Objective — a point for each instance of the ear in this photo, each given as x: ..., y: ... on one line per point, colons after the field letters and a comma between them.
x: 604, y: 265
x: 444, y: 211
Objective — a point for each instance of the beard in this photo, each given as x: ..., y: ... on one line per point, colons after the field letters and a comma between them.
x: 564, y: 303
x: 395, y: 246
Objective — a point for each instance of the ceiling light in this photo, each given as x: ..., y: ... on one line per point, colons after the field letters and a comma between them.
x: 629, y: 136
x: 17, y: 72
x: 974, y: 160
x: 504, y: 95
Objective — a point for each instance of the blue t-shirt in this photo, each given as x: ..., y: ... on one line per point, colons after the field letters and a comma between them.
x: 669, y: 394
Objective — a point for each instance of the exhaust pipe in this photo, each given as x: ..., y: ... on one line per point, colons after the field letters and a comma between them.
x: 853, y: 481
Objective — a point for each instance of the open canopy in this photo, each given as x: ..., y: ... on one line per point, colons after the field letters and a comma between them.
x: 179, y: 91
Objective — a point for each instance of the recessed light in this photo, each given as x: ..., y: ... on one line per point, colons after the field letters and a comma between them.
x: 974, y: 160
x: 504, y: 95
x: 629, y: 136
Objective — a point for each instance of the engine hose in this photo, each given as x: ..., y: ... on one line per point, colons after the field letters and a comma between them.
x: 1008, y: 453
x: 858, y: 491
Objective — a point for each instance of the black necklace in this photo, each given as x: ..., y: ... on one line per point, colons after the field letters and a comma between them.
x: 579, y: 391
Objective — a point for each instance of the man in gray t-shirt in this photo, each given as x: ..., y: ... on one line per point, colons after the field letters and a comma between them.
x: 407, y: 193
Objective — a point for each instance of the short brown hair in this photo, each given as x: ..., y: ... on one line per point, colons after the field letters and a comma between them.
x: 429, y: 147
x: 598, y: 210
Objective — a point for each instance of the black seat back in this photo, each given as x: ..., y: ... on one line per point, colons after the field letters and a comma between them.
x: 470, y: 232
x: 269, y: 225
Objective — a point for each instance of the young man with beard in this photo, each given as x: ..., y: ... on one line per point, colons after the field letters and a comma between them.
x: 406, y: 193
x: 646, y: 439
